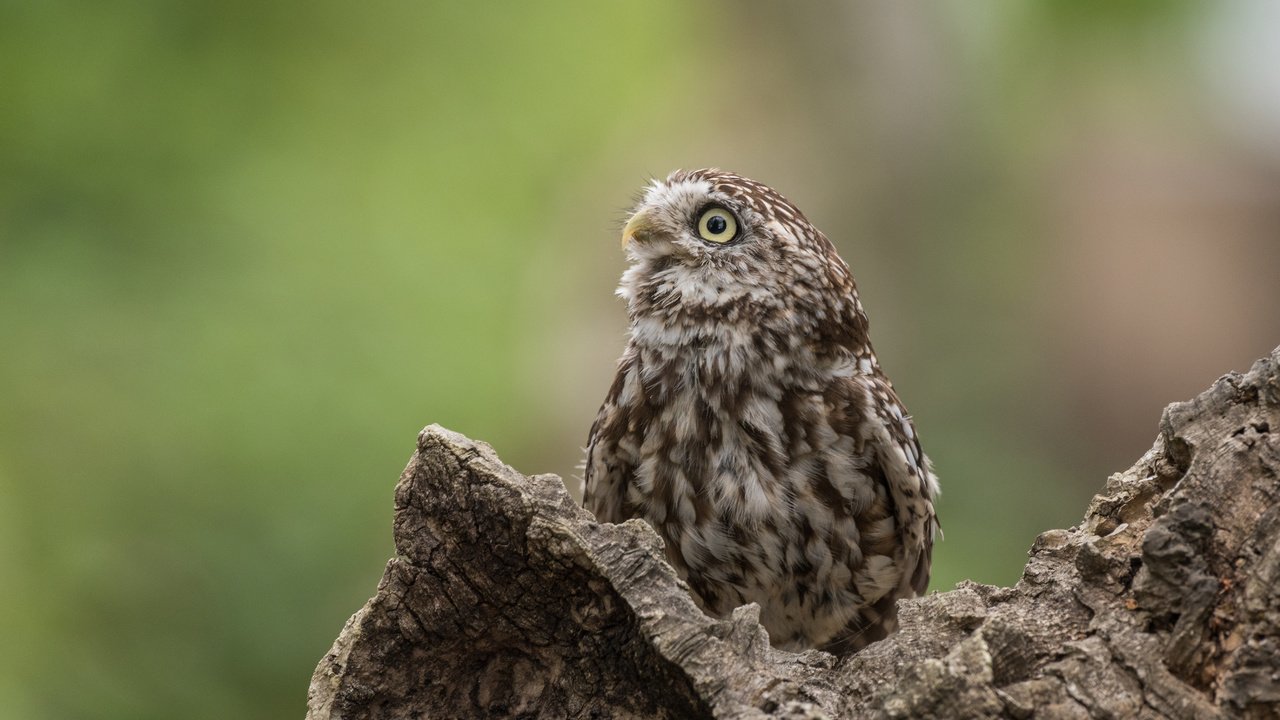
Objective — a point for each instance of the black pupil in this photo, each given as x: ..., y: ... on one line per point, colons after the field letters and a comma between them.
x: 716, y: 224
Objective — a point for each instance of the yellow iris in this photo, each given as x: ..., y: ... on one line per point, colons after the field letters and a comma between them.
x: 717, y: 225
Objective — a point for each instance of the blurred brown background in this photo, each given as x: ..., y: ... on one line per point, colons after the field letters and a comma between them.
x: 248, y: 249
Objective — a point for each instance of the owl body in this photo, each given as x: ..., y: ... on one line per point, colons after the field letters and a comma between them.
x: 750, y: 424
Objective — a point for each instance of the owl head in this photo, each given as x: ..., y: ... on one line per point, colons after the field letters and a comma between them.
x: 711, y: 215
x: 712, y: 238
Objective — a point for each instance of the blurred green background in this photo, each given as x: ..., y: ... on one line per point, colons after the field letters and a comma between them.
x: 247, y: 250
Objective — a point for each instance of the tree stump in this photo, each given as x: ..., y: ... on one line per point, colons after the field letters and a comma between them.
x: 506, y: 599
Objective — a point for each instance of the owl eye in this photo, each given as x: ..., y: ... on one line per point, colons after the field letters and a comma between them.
x: 717, y: 225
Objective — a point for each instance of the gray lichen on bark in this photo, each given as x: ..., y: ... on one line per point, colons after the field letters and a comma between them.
x: 506, y: 599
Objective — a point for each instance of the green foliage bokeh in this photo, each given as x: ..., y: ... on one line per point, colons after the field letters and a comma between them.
x: 248, y: 249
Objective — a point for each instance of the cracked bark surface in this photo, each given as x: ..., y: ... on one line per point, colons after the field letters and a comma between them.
x: 506, y: 599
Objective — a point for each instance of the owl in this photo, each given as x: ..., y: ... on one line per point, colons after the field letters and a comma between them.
x: 751, y: 425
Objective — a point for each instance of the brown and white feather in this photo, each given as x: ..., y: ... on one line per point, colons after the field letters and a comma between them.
x: 749, y: 422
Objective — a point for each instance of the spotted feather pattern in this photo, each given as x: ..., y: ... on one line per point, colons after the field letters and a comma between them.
x: 749, y: 422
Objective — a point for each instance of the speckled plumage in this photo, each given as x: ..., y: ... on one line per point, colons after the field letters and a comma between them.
x: 751, y: 425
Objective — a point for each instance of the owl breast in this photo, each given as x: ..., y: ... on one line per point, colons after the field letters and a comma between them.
x: 757, y: 494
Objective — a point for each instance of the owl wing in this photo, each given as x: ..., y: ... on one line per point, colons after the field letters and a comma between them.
x: 613, y: 447
x: 895, y: 561
x: 912, y: 485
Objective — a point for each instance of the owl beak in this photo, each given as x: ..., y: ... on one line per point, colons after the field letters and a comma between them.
x: 639, y: 226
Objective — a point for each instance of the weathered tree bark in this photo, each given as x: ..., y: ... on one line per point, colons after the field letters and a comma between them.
x: 506, y: 599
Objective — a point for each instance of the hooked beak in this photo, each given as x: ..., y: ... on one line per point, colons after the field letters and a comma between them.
x: 639, y: 226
